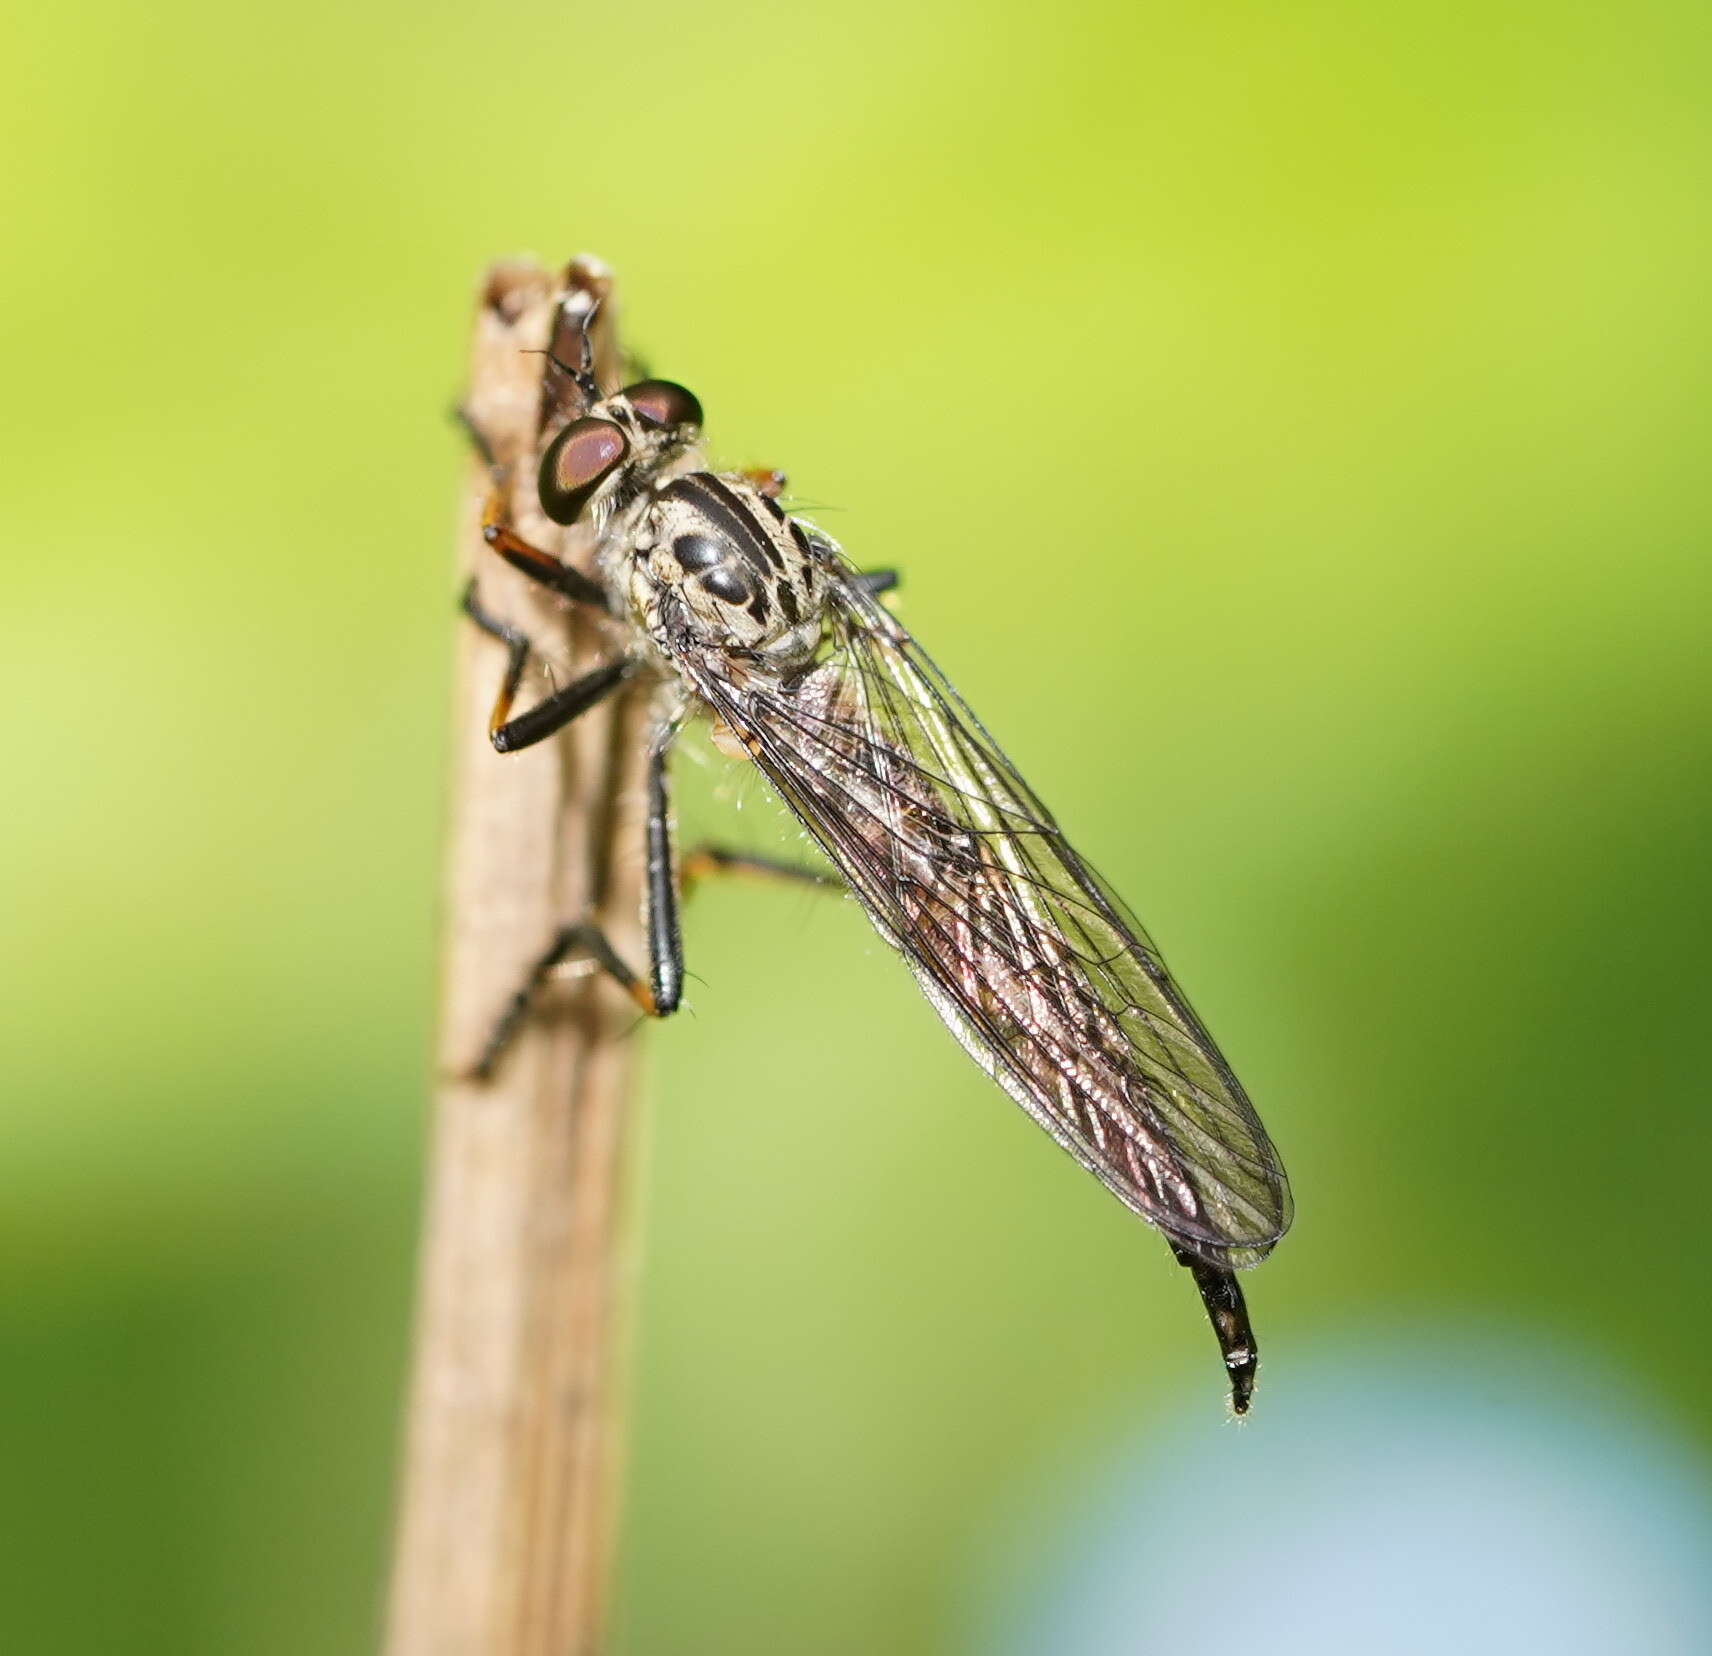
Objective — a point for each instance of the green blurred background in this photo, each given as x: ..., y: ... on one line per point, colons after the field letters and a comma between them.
x: 1292, y: 422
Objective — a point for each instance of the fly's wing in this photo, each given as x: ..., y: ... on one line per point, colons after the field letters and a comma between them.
x: 1022, y: 950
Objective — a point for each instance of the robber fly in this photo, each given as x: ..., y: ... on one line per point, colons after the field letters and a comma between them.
x: 732, y: 606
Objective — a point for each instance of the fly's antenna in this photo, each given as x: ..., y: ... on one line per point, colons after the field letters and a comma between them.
x: 581, y: 378
x: 570, y: 346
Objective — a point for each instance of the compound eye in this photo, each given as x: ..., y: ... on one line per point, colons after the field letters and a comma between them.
x: 663, y: 403
x: 576, y: 463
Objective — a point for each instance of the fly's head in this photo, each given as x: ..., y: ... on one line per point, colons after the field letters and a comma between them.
x: 717, y: 566
x: 605, y: 459
x: 708, y: 561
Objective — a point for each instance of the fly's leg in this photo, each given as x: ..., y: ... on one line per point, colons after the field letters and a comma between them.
x: 660, y: 885
x: 569, y: 942
x: 657, y: 997
x: 664, y: 886
x: 765, y: 481
x: 1228, y: 1313
x: 478, y: 441
x: 705, y: 860
x: 528, y: 560
x: 546, y: 717
x: 540, y: 566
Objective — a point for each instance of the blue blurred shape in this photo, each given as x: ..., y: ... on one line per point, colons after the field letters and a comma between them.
x: 1407, y: 1497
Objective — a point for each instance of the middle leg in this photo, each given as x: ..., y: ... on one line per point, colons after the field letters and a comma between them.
x: 665, y: 885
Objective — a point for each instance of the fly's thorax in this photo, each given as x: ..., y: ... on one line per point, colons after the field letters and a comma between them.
x: 717, y: 564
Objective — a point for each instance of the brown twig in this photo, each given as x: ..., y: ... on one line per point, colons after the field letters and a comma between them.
x: 505, y: 1516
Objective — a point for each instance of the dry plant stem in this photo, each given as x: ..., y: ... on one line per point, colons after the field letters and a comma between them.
x: 504, y: 1526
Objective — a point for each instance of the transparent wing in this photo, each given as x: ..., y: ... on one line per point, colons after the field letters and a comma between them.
x: 1031, y: 961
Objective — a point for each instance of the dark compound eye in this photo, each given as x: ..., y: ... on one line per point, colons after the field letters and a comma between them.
x: 663, y: 403
x: 576, y: 463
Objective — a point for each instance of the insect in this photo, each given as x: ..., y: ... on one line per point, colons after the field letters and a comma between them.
x: 729, y: 605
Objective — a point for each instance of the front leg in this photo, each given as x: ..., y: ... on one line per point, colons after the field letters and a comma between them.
x: 550, y: 572
x: 547, y: 717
